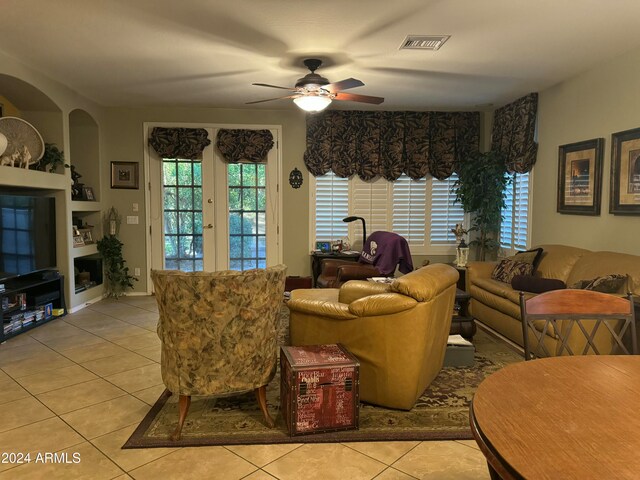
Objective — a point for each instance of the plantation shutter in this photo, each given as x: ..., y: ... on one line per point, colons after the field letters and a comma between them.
x: 409, y: 209
x: 370, y: 200
x: 521, y: 211
x: 332, y: 205
x: 514, y: 230
x: 445, y: 213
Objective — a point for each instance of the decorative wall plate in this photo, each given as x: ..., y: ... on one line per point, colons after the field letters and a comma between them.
x: 21, y: 133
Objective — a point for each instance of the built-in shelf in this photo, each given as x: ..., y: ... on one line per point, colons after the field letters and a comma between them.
x: 85, y: 250
x: 78, y: 137
x: 22, y: 177
x: 83, y: 206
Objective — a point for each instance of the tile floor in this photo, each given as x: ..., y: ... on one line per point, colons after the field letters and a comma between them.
x: 79, y: 385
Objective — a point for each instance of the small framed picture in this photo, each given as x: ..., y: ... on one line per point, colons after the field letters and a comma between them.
x: 580, y: 177
x: 87, y: 194
x: 625, y: 173
x: 87, y: 237
x: 124, y: 175
x: 324, y: 247
x: 78, y: 241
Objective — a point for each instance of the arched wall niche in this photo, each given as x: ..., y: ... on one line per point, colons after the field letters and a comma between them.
x: 84, y: 151
x: 35, y: 107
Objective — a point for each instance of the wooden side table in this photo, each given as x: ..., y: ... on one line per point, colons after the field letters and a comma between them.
x: 462, y: 281
x: 462, y: 323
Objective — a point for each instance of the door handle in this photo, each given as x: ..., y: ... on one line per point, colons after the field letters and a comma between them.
x: 208, y: 226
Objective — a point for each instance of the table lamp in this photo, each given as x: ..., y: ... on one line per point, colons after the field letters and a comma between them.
x: 364, y: 227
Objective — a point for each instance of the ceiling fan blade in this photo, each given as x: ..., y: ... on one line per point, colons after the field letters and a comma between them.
x: 273, y: 86
x: 354, y: 97
x: 270, y: 99
x: 342, y: 85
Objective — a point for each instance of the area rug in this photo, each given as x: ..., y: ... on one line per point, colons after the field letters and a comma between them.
x: 441, y: 413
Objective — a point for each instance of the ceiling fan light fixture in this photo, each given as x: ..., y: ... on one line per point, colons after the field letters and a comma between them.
x: 312, y: 103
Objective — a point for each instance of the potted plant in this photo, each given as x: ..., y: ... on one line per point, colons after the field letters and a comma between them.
x: 51, y: 159
x: 117, y: 273
x: 480, y: 189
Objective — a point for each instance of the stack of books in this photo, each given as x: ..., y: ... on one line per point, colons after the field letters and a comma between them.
x: 28, y: 318
x: 14, y: 324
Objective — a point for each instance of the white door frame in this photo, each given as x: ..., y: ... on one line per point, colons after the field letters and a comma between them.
x: 277, y: 215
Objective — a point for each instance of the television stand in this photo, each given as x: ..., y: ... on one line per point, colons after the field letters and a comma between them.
x: 29, y: 301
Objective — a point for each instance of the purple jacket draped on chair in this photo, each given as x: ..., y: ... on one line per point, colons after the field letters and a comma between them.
x: 385, y: 250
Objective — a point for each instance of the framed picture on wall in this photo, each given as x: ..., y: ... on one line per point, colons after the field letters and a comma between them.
x: 580, y: 177
x: 124, y: 175
x: 625, y: 173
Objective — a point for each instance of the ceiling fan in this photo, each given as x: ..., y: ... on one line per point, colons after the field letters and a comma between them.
x: 314, y: 93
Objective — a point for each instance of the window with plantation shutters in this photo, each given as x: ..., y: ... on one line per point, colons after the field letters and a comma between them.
x: 445, y: 212
x: 370, y: 200
x: 422, y: 211
x: 331, y: 206
x: 410, y: 210
x: 514, y: 230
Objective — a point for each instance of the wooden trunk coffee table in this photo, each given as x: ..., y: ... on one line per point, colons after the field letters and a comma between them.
x: 561, y: 418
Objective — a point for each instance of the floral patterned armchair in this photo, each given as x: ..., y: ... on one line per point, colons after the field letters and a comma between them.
x: 218, y: 332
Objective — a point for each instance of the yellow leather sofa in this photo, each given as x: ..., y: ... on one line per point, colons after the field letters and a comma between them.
x: 496, y: 305
x: 398, y: 332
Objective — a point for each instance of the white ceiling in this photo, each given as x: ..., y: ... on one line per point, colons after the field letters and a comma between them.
x: 206, y: 53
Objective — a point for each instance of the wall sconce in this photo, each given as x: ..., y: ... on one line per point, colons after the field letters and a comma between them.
x: 113, y: 220
x: 295, y: 178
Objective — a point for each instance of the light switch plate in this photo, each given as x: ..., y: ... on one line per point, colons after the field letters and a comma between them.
x: 132, y: 220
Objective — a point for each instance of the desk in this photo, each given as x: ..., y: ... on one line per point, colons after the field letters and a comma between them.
x: 316, y: 261
x: 561, y: 417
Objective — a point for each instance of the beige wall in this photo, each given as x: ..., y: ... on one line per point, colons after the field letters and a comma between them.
x: 122, y: 133
x: 595, y: 103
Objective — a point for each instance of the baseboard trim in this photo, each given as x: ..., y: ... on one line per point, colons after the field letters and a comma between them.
x: 86, y: 304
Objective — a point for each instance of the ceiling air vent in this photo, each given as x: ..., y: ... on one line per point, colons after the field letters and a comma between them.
x: 424, y: 42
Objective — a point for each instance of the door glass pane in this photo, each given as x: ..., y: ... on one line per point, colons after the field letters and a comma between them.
x: 170, y: 198
x: 234, y: 175
x: 182, y: 214
x: 247, y: 219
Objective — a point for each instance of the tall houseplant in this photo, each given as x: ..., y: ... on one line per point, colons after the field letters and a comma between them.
x: 117, y: 273
x: 480, y: 188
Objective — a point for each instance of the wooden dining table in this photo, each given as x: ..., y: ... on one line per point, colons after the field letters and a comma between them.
x: 570, y: 417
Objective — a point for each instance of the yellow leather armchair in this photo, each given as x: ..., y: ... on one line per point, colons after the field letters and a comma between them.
x: 398, y: 332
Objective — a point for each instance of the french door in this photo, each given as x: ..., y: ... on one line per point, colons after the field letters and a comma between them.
x: 210, y: 215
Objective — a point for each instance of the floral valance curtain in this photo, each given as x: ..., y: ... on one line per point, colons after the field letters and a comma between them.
x: 514, y: 127
x: 184, y: 143
x: 388, y: 144
x: 244, y: 145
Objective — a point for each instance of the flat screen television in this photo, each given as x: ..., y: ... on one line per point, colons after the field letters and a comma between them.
x: 27, y: 233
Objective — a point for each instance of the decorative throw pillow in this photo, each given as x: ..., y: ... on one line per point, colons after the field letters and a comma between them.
x: 605, y: 284
x: 532, y: 256
x: 529, y: 283
x: 507, y: 269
